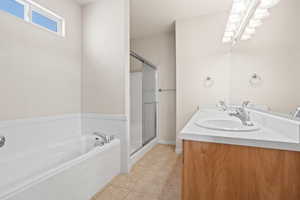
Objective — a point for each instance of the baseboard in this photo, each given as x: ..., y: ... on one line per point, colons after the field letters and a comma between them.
x: 166, y: 142
x: 178, y: 150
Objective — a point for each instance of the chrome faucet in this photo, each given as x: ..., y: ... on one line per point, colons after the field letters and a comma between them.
x: 106, y: 139
x: 242, y: 114
x: 2, y: 141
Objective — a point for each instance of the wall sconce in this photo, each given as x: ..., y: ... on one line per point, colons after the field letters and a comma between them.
x: 208, y: 82
x: 255, y: 80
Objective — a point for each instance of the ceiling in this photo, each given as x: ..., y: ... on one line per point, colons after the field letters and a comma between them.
x: 149, y: 17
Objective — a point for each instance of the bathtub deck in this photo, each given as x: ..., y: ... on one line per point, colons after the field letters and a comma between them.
x: 156, y: 176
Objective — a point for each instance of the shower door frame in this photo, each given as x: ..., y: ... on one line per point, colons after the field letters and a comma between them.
x: 145, y: 62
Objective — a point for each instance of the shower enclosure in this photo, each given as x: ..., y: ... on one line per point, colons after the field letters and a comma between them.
x: 143, y: 103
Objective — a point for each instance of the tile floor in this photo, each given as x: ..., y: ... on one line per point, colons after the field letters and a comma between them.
x: 156, y: 176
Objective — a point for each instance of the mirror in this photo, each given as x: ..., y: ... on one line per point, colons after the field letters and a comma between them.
x: 264, y: 69
x: 271, y: 59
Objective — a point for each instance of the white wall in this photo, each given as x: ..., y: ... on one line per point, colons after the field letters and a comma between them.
x: 160, y: 50
x: 273, y: 53
x: 40, y: 71
x: 105, y: 56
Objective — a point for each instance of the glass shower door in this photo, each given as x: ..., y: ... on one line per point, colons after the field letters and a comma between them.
x: 149, y: 104
x: 143, y: 104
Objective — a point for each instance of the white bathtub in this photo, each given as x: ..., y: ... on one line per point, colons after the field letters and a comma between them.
x: 71, y: 170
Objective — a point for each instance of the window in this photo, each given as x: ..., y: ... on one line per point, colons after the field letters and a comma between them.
x: 44, y: 21
x: 13, y: 7
x: 35, y: 14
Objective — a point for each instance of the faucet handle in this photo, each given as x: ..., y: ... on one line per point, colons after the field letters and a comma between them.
x: 105, y: 138
x: 222, y: 105
x: 2, y: 141
x: 245, y: 103
x: 111, y: 138
x: 297, y: 113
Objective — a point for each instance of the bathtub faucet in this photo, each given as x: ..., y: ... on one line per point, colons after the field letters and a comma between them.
x: 2, y: 141
x: 106, y: 138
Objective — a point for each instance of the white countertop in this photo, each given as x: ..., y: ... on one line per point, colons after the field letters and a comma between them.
x: 265, y: 137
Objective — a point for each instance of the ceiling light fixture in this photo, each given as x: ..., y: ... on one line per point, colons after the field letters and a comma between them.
x: 245, y: 17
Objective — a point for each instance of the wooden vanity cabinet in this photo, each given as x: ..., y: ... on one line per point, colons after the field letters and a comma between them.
x: 228, y: 172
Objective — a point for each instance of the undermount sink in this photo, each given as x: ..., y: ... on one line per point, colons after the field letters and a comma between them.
x: 225, y: 125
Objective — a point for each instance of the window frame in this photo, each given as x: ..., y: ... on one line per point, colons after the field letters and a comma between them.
x: 30, y: 6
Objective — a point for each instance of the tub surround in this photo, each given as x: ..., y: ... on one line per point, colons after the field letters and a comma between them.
x: 30, y: 134
x: 34, y: 136
x: 35, y: 133
x: 234, y: 165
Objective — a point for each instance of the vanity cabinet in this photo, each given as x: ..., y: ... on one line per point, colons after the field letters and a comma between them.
x: 229, y: 172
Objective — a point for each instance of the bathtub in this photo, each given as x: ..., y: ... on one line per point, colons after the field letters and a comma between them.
x: 70, y: 170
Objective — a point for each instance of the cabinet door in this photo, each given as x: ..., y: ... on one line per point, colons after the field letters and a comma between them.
x: 214, y: 172
x: 273, y: 174
x: 228, y: 172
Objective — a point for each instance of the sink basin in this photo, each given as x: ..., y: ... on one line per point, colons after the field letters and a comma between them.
x: 225, y: 125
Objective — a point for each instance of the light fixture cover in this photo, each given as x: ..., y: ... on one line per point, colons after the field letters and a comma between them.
x: 245, y: 16
x: 268, y: 3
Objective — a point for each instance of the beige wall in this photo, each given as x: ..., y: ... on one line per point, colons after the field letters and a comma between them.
x: 273, y: 53
x: 105, y: 57
x: 160, y: 50
x: 199, y: 53
x: 40, y: 71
